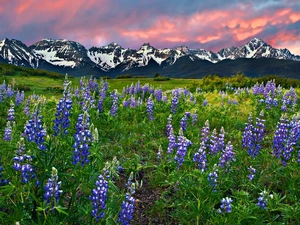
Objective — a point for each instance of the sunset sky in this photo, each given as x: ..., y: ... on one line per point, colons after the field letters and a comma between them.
x: 208, y: 24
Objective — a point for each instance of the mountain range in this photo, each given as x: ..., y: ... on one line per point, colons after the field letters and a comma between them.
x: 255, y: 58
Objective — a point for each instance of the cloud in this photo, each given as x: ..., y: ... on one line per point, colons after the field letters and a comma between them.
x: 197, y: 24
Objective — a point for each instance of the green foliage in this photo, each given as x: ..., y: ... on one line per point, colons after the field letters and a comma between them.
x: 123, y: 76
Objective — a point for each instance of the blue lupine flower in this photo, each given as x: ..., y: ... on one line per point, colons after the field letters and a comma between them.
x: 194, y: 118
x: 262, y: 200
x: 19, y: 97
x: 126, y: 103
x: 217, y: 141
x: 253, y: 135
x: 114, y: 107
x: 34, y: 130
x: 7, y: 132
x: 132, y: 102
x: 99, y: 198
x: 200, y: 157
x: 227, y: 155
x: 127, y: 210
x: 212, y: 178
x: 100, y: 104
x: 175, y: 101
x: 62, y: 122
x: 182, y: 145
x: 150, y: 108
x: 158, y: 94
x: 252, y: 173
x: 26, y: 108
x: 183, y: 122
x: 83, y: 138
x: 22, y: 163
x: 205, y: 132
x: 169, y: 125
x: 52, y: 189
x: 205, y: 102
x: 172, y: 141
x: 2, y: 181
x: 11, y: 113
x: 225, y: 205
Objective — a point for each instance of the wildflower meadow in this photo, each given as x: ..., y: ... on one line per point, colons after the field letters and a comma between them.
x: 143, y: 155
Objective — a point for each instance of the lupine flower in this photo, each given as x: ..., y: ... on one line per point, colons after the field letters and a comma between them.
x: 2, y: 181
x: 205, y: 102
x: 150, y: 108
x: 127, y: 210
x: 205, y: 132
x: 100, y: 104
x: 158, y: 94
x: 200, y: 157
x: 19, y: 97
x: 159, y: 153
x: 62, y: 122
x: 83, y: 138
x: 114, y: 107
x: 174, y: 101
x: 99, y: 198
x: 26, y: 108
x: 52, y: 189
x: 252, y: 173
x: 11, y: 113
x: 169, y: 125
x: 217, y: 141
x: 262, y: 200
x: 172, y: 141
x: 253, y: 135
x: 183, y: 122
x: 227, y: 155
x: 225, y: 205
x: 194, y: 118
x: 182, y: 145
x: 212, y: 178
x: 22, y: 163
x: 126, y: 103
x: 7, y: 131
x: 132, y: 102
x: 9, y: 91
x: 34, y: 130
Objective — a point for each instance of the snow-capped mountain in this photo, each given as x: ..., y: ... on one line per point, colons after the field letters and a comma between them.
x: 63, y: 55
x: 17, y: 53
x: 61, y: 52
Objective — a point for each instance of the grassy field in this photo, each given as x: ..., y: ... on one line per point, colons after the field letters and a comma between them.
x: 181, y: 151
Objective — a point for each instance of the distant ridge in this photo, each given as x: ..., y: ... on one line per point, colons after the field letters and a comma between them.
x: 63, y: 56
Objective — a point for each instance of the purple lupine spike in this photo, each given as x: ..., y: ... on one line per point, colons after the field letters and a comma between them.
x: 221, y: 139
x: 11, y: 113
x: 132, y: 102
x: 174, y: 101
x: 22, y: 163
x: 100, y: 104
x: 7, y: 131
x: 99, y: 198
x: 200, y: 157
x: 214, y: 143
x: 205, y: 102
x: 227, y: 156
x: 183, y: 122
x: 52, y: 190
x: 126, y: 103
x: 26, y: 108
x: 205, y: 132
x: 253, y: 135
x: 252, y: 173
x: 172, y: 141
x: 225, y: 205
x: 182, y: 145
x: 83, y: 138
x: 34, y: 130
x: 9, y: 91
x: 262, y: 200
x: 158, y: 94
x: 2, y: 180
x: 280, y: 136
x: 62, y: 121
x: 127, y: 210
x: 169, y: 125
x: 194, y: 118
x: 150, y: 108
x: 165, y: 98
x: 19, y: 98
x: 213, y: 177
x: 114, y: 107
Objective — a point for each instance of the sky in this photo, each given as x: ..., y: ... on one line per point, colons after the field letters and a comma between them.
x: 206, y: 24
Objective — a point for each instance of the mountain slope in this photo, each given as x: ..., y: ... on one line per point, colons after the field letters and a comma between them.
x: 71, y: 57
